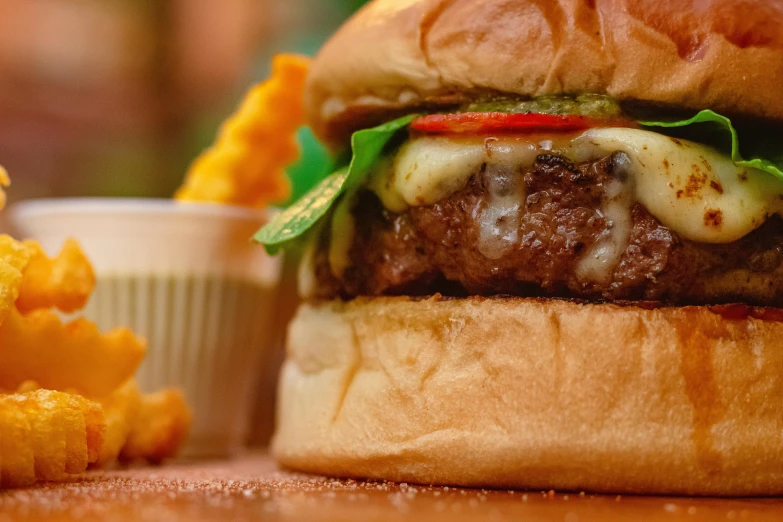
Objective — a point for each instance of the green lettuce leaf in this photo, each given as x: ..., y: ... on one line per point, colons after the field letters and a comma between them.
x: 728, y: 131
x: 366, y: 145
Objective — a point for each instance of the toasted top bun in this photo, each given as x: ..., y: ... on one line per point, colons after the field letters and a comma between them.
x: 395, y: 56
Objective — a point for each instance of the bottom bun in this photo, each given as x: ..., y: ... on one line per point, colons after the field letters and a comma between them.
x: 534, y: 394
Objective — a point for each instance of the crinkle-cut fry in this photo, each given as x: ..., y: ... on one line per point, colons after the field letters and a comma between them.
x: 67, y: 431
x: 14, y: 258
x: 47, y: 435
x: 64, y: 282
x: 121, y: 409
x: 159, y: 428
x: 151, y: 427
x: 17, y: 462
x: 73, y: 356
x: 246, y: 165
x: 13, y: 253
x: 5, y: 181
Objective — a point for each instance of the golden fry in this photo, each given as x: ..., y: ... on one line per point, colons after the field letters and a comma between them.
x: 64, y: 282
x: 151, y: 427
x: 50, y: 435
x: 34, y: 281
x: 46, y: 435
x: 14, y: 257
x: 17, y: 462
x: 245, y: 166
x: 13, y: 253
x: 159, y: 427
x: 73, y: 356
x: 121, y: 409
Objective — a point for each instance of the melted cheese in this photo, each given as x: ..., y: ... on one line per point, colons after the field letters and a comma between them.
x: 429, y: 169
x: 600, y: 260
x: 425, y: 171
x: 499, y: 219
x: 692, y: 189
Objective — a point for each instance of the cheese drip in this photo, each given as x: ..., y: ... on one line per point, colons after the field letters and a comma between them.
x: 599, y: 261
x: 692, y: 189
x: 500, y: 217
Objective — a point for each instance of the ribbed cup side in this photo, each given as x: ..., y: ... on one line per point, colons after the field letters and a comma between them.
x: 206, y: 335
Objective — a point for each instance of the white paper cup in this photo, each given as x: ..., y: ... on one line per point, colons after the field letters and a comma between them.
x: 186, y: 277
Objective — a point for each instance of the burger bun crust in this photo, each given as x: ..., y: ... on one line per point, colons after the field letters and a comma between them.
x: 534, y: 394
x: 398, y: 56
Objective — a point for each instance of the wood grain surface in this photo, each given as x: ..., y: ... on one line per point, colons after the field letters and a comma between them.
x: 253, y: 488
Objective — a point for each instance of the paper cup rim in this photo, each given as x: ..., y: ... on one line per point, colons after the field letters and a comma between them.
x: 33, y: 208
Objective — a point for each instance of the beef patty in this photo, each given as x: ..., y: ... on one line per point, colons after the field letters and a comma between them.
x: 553, y: 216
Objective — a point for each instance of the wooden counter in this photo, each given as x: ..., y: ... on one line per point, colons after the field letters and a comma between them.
x: 253, y: 488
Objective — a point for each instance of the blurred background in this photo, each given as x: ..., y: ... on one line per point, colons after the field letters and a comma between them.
x: 115, y: 97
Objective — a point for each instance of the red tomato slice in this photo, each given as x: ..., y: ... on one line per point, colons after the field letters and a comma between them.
x: 493, y: 122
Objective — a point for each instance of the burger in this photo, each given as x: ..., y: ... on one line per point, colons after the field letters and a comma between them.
x: 551, y: 253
